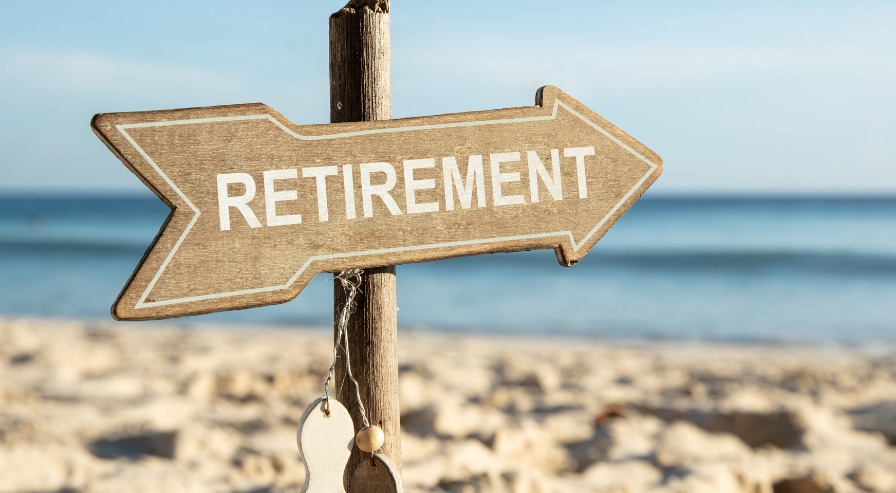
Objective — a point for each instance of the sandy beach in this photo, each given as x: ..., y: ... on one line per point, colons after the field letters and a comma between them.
x: 137, y: 408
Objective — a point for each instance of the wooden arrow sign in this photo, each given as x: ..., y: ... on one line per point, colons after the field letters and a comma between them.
x: 260, y: 205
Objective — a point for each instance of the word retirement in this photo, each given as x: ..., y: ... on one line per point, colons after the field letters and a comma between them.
x: 379, y: 179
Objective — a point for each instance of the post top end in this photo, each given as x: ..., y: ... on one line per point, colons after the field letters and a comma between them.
x: 353, y: 6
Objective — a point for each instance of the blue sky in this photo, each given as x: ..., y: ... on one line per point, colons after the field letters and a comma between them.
x: 737, y: 97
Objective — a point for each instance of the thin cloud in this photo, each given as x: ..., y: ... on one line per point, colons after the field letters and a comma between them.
x: 637, y: 68
x: 84, y: 72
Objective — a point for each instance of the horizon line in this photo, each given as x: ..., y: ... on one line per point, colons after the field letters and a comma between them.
x: 650, y: 195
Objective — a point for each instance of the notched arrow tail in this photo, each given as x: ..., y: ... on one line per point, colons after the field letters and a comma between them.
x: 118, y: 132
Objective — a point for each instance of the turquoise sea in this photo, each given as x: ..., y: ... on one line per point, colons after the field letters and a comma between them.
x: 764, y: 269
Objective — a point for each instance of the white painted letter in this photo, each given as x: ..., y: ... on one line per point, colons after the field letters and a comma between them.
x: 368, y: 190
x: 580, y: 153
x: 320, y: 174
x: 225, y: 201
x: 454, y: 181
x: 348, y: 181
x: 554, y: 183
x: 498, y: 178
x: 411, y: 185
x: 271, y: 197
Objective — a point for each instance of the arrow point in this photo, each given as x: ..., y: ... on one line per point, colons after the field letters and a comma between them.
x: 642, y: 167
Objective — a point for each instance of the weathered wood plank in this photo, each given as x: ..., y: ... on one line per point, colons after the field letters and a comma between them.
x: 360, y: 89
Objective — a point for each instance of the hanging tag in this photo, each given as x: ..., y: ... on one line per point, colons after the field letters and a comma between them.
x: 325, y: 438
x: 379, y: 473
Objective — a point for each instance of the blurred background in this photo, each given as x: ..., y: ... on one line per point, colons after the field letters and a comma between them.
x: 774, y: 220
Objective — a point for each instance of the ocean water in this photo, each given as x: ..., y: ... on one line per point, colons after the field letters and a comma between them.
x: 788, y: 270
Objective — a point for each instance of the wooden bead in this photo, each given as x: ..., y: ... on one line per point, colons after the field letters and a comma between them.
x: 370, y: 439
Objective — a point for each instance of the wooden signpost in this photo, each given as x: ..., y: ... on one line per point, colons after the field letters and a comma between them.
x: 261, y: 205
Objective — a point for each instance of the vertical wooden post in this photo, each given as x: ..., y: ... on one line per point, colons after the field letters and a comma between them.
x: 361, y: 89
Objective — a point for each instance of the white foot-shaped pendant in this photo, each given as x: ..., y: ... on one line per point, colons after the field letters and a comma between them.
x: 325, y: 442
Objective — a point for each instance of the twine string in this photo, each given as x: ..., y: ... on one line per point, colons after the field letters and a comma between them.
x: 351, y: 284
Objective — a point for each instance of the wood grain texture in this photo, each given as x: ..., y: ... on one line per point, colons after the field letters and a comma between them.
x: 377, y: 474
x: 360, y: 90
x: 195, y: 266
x: 373, y: 342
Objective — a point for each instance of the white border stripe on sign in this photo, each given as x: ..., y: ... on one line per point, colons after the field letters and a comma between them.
x: 142, y: 303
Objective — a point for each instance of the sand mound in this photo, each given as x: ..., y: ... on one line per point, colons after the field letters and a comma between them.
x: 103, y: 409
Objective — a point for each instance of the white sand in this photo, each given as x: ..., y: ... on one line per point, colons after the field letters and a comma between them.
x: 152, y: 409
